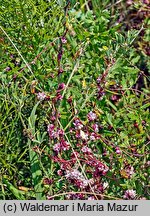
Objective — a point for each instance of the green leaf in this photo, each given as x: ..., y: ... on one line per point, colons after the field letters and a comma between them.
x: 17, y: 193
x: 145, y: 106
x: 112, y: 105
x: 34, y: 160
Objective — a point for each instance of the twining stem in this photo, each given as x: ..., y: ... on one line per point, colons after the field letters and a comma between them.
x: 78, y: 160
x: 87, y: 193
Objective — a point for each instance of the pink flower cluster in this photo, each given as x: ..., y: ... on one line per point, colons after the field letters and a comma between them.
x: 82, y: 134
x: 86, y: 150
x: 95, y: 127
x: 41, y: 96
x: 129, y: 171
x: 53, y: 132
x: 130, y: 194
x: 91, y: 116
x: 118, y: 150
x: 63, y: 40
x: 58, y: 134
x: 61, y: 146
x: 78, y: 124
x: 76, y: 177
x: 100, y: 168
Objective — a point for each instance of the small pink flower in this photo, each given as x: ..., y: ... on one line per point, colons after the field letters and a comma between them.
x: 86, y: 150
x: 114, y: 98
x: 51, y: 127
x: 71, y: 130
x: 59, y: 172
x: 80, y: 196
x: 61, y: 86
x: 64, y: 145
x: 78, y: 125
x: 118, y: 151
x: 98, y: 80
x: 95, y: 127
x: 58, y: 97
x: 48, y: 181
x: 83, y: 135
x: 11, y: 56
x: 74, y: 174
x: 130, y: 194
x: 63, y: 40
x: 60, y: 71
x: 53, y: 118
x: 77, y: 135
x: 77, y: 178
x: 101, y: 169
x: 41, y: 96
x: 129, y: 170
x: 60, y: 132
x: 91, y: 116
x: 93, y: 136
x: 51, y: 131
x: 84, y: 184
x: 56, y: 147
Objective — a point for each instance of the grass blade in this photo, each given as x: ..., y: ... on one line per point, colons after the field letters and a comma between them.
x: 34, y: 160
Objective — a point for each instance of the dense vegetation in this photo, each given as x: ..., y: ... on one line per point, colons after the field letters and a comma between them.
x: 74, y: 99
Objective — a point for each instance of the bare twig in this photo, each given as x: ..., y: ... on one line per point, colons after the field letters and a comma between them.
x: 87, y: 193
